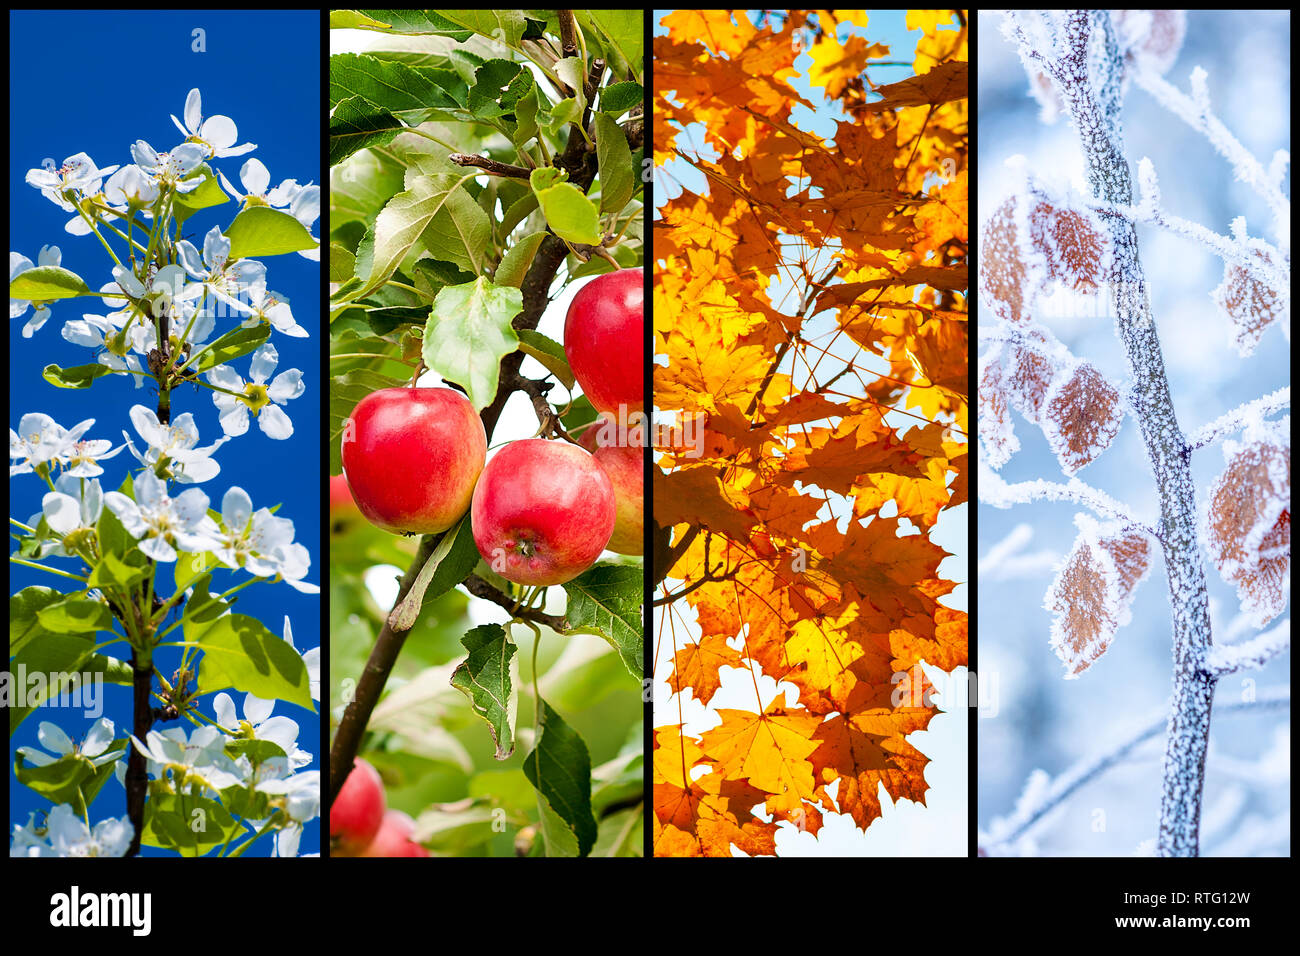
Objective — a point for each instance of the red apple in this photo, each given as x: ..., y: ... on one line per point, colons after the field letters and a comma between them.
x: 623, y: 460
x: 394, y: 837
x: 358, y: 810
x: 604, y: 341
x: 411, y: 457
x: 542, y: 512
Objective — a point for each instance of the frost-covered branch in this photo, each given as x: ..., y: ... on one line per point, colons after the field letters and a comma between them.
x: 1043, y: 794
x: 1239, y: 418
x: 1079, y: 51
x: 1239, y: 249
x: 996, y: 491
x: 1195, y: 111
x: 1250, y: 655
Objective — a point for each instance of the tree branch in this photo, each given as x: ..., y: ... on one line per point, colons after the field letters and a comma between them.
x: 1030, y: 812
x: 490, y: 166
x: 1088, y: 80
x: 476, y: 586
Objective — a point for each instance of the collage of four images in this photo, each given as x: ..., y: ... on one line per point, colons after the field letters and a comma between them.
x: 516, y: 485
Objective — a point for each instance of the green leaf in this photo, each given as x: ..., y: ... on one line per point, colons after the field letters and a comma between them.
x: 453, y: 831
x: 549, y: 352
x: 113, y: 572
x: 560, y: 768
x: 79, y: 376
x: 64, y: 654
x: 408, y: 93
x: 468, y: 334
x: 455, y: 566
x: 263, y: 231
x: 23, y: 623
x: 569, y: 213
x: 359, y: 188
x: 606, y: 600
x: 573, y: 72
x: 209, y: 194
x: 238, y: 341
x: 417, y: 23
x: 191, y: 825
x: 113, y: 536
x: 619, y: 35
x: 239, y: 652
x: 439, y: 204
x: 76, y: 617
x: 356, y: 124
x: 188, y: 566
x: 354, y: 20
x: 562, y: 114
x: 514, y: 264
x: 516, y: 213
x: 617, y: 177
x: 342, y: 263
x: 525, y: 118
x: 484, y: 677
x: 498, y: 85
x: 47, y: 283
x: 504, y: 26
x: 618, y: 98
x: 72, y: 779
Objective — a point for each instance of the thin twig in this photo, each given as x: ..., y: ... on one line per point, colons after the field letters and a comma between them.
x: 490, y: 166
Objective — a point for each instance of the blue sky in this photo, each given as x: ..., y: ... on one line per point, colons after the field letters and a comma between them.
x: 262, y: 70
x: 906, y: 828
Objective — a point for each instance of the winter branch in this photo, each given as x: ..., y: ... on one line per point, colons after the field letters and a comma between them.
x: 1195, y: 112
x: 1238, y: 418
x: 1251, y: 655
x: 1038, y: 801
x: 996, y: 491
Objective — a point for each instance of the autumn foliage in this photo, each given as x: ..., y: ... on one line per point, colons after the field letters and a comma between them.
x: 811, y: 319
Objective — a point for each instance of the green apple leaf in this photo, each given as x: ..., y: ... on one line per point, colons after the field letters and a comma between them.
x: 618, y: 98
x: 617, y: 177
x: 484, y: 677
x: 504, y: 26
x: 435, y: 208
x: 415, y: 23
x: 468, y: 334
x: 560, y: 768
x: 550, y: 353
x: 606, y: 600
x: 412, y: 95
x: 514, y: 264
x: 569, y: 213
x: 356, y: 124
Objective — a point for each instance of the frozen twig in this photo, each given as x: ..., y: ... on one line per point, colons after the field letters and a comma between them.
x: 1029, y: 812
x: 1239, y: 417
x: 996, y: 491
x: 1199, y: 116
x: 1251, y: 655
x: 1079, y: 52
